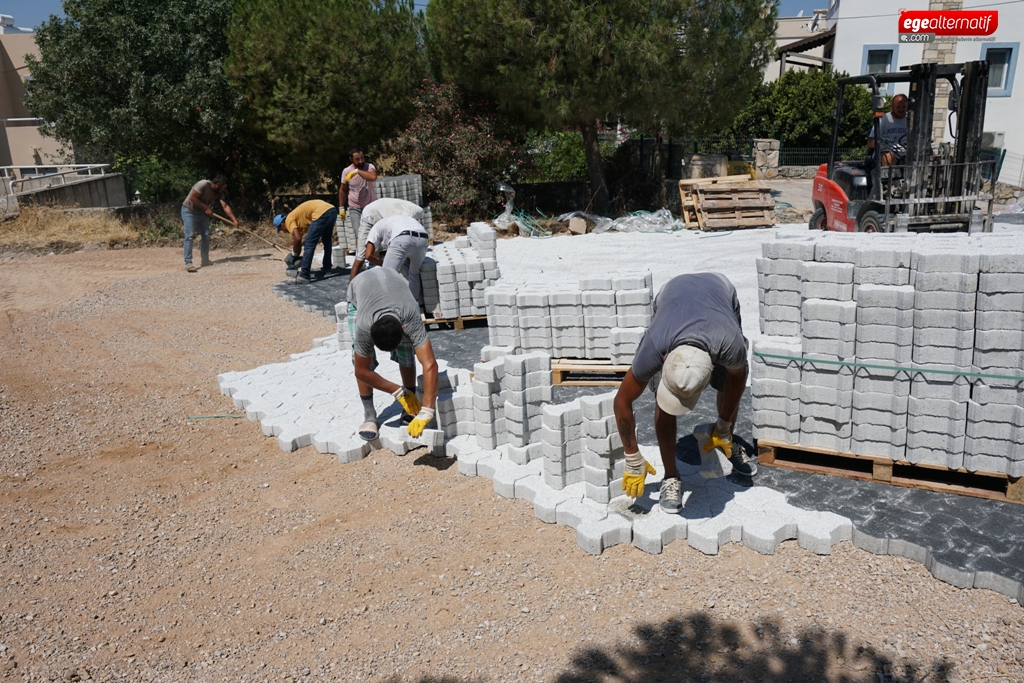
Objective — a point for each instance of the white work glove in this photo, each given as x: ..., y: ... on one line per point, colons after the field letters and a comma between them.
x: 417, y: 426
x: 410, y: 404
x: 635, y: 475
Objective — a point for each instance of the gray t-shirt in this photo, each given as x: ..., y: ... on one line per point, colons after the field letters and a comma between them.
x: 207, y: 195
x: 698, y: 309
x: 377, y: 292
x: 892, y: 130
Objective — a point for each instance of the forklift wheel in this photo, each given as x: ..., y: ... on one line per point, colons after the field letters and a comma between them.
x: 817, y: 221
x: 871, y: 221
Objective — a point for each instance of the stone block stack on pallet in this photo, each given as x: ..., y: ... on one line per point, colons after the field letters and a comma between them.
x: 455, y: 275
x: 909, y: 348
x: 603, y: 318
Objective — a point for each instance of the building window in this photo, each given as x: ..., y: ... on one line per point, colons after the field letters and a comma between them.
x: 880, y: 59
x: 1002, y: 62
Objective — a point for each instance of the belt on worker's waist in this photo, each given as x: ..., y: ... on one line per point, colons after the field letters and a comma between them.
x: 422, y: 235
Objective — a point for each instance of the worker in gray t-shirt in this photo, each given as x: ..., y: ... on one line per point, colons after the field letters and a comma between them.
x: 195, y: 212
x: 382, y: 313
x: 695, y: 337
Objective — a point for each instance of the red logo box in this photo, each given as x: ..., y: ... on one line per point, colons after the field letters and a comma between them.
x: 950, y: 22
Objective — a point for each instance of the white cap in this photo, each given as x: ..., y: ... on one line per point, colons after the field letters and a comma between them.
x: 686, y: 372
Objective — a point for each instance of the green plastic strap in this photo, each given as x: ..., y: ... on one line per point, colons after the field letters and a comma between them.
x: 896, y: 368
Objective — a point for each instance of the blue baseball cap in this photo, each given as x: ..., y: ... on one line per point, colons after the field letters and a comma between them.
x: 278, y: 220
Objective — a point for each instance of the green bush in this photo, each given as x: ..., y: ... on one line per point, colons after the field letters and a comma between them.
x: 461, y: 148
x: 157, y: 180
x: 799, y: 109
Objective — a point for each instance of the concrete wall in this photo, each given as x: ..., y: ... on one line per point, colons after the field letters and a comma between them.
x: 20, y: 145
x: 94, y: 191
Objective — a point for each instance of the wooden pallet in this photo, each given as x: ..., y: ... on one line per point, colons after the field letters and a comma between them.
x: 458, y: 323
x: 898, y: 473
x: 576, y: 372
x: 726, y: 203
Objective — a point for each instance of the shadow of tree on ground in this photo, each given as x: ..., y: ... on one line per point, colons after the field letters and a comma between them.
x: 696, y: 647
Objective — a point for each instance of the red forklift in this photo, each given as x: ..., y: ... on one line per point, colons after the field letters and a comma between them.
x: 921, y: 185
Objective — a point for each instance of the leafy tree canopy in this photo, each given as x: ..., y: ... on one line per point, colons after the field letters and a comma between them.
x: 678, y: 66
x: 322, y: 76
x: 799, y: 109
x: 460, y: 147
x: 139, y: 79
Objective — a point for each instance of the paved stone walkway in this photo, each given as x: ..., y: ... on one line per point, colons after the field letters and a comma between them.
x: 964, y: 541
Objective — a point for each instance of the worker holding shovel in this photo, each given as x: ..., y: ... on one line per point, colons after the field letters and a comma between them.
x: 195, y: 214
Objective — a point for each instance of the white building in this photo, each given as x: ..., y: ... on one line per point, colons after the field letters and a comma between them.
x: 801, y: 44
x: 867, y: 41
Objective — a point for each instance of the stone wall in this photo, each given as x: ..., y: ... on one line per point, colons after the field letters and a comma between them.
x: 766, y: 158
x: 797, y: 171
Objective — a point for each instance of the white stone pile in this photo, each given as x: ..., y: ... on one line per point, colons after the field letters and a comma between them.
x: 455, y: 275
x: 508, y: 393
x: 925, y: 314
x: 581, y: 444
x: 604, y: 318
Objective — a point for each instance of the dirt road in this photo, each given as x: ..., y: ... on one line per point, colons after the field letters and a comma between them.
x: 138, y: 544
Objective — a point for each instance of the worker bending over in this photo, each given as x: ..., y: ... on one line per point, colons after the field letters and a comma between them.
x: 309, y: 223
x: 403, y: 241
x: 695, y: 333
x: 383, y: 314
x: 378, y: 210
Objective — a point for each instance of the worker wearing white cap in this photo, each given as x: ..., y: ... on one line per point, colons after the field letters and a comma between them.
x: 695, y: 338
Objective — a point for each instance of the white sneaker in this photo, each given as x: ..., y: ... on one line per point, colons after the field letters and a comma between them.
x: 671, y: 496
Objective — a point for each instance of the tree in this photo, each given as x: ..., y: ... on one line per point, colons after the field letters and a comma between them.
x: 321, y: 76
x: 799, y: 109
x: 461, y: 149
x: 673, y: 66
x: 140, y: 80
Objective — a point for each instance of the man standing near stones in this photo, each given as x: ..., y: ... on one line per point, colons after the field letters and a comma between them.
x: 357, y: 191
x: 315, y: 220
x: 382, y: 314
x: 195, y: 214
x: 694, y: 338
x: 403, y: 241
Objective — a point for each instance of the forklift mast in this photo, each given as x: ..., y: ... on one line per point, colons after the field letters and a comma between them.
x: 935, y: 185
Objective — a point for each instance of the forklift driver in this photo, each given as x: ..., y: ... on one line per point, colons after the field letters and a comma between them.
x: 893, y: 129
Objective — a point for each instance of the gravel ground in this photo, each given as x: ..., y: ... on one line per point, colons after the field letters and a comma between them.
x: 137, y: 544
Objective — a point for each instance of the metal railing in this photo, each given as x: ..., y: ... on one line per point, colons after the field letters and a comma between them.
x: 1012, y: 170
x: 815, y: 156
x: 46, y: 176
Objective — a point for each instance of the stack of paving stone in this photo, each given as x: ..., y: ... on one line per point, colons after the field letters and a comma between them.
x: 778, y: 286
x: 775, y: 389
x: 455, y: 275
x: 534, y: 320
x: 562, y: 444
x: 995, y: 413
x: 503, y: 316
x: 568, y: 339
x: 828, y: 331
x: 945, y: 278
x: 526, y: 388
x: 603, y: 456
x: 604, y: 319
x: 488, y: 404
x: 931, y: 311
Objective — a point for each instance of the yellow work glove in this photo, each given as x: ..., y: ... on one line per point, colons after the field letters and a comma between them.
x: 716, y: 441
x: 351, y: 175
x: 408, y: 399
x: 341, y: 214
x: 635, y: 475
x: 417, y: 426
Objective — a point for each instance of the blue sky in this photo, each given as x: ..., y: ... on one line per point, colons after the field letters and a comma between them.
x: 30, y: 13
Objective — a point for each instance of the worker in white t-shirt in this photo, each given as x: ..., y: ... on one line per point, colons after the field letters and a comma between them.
x: 403, y: 241
x: 892, y: 129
